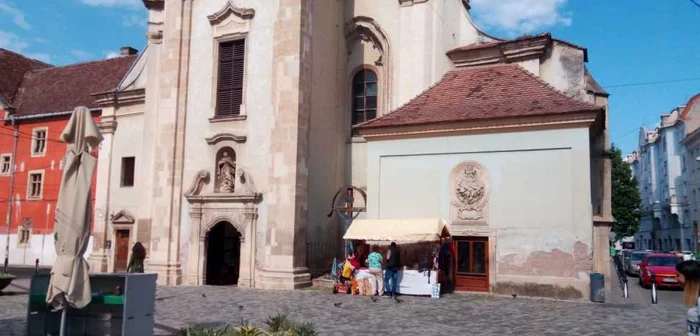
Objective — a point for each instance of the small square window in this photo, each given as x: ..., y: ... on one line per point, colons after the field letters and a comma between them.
x: 39, y: 142
x: 35, y: 185
x: 127, y: 178
x: 5, y: 164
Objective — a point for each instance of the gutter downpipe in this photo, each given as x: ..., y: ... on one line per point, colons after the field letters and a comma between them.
x: 12, y: 190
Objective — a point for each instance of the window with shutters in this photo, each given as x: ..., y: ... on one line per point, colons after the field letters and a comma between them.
x: 5, y: 164
x: 364, y: 96
x: 229, y: 91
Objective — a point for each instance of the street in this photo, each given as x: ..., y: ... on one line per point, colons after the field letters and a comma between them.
x: 453, y: 314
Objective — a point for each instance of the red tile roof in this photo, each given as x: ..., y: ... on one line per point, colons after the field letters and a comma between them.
x: 13, y: 66
x: 62, y: 89
x: 492, y: 92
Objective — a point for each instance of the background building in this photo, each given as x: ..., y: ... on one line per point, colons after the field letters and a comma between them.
x: 36, y: 103
x: 665, y: 167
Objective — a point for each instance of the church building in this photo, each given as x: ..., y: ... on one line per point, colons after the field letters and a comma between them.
x: 231, y: 136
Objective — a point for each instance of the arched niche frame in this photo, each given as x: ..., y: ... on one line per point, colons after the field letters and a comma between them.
x: 363, y: 32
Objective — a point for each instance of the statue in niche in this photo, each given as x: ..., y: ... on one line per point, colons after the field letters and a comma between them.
x: 226, y: 173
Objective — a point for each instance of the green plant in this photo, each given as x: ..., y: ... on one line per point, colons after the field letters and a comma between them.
x: 304, y: 329
x: 207, y: 331
x: 279, y: 323
x: 247, y: 330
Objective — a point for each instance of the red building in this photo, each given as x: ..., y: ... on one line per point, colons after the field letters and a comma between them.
x: 36, y: 101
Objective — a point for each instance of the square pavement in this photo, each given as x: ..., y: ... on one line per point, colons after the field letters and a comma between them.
x: 453, y: 314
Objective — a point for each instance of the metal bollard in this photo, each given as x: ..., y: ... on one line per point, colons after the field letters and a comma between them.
x: 654, y: 294
x: 625, y: 290
x: 6, y: 262
x: 36, y: 266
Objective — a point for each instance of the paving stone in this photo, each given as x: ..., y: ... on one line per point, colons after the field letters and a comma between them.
x: 453, y: 314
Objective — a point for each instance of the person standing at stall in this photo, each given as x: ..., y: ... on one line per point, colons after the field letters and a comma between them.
x: 391, y: 276
x: 374, y: 261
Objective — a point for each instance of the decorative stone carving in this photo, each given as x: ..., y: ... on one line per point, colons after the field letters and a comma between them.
x: 231, y: 8
x: 247, y: 182
x: 470, y: 191
x: 226, y: 171
x: 123, y: 217
x: 225, y: 137
x: 200, y: 179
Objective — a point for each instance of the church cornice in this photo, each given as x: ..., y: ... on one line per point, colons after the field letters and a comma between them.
x: 407, y: 3
x: 229, y: 9
x: 154, y: 4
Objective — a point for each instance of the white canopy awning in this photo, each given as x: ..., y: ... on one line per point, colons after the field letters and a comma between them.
x: 398, y: 230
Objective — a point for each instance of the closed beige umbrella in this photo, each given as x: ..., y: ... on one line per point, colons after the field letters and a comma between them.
x: 70, y: 283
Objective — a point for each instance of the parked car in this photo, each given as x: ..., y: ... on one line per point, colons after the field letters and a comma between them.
x: 659, y: 267
x: 632, y: 263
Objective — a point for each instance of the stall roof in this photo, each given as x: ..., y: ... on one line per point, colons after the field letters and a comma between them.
x: 398, y: 230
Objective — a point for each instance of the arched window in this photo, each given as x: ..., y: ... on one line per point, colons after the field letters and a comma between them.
x: 364, y: 96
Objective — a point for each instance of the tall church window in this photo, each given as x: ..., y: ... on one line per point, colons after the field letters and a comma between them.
x: 364, y: 96
x: 229, y: 91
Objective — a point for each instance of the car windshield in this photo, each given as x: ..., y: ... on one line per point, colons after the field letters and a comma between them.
x: 637, y: 256
x: 663, y: 261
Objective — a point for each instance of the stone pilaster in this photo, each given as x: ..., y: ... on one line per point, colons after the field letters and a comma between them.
x: 169, y: 137
x: 285, y: 256
x: 99, y: 256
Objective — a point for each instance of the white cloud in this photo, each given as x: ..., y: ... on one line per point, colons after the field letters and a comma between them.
x: 521, y: 16
x: 81, y: 54
x: 12, y: 42
x: 111, y: 54
x: 134, y: 21
x: 46, y: 58
x: 113, y: 3
x: 16, y: 14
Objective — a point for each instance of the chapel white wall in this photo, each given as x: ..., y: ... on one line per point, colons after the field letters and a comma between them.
x: 539, y: 207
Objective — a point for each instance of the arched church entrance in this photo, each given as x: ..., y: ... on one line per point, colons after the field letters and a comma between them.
x: 223, y: 258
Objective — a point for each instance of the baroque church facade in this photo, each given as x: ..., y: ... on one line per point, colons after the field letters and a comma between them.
x: 236, y: 128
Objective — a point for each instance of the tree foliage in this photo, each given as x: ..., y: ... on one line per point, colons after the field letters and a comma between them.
x: 625, y: 197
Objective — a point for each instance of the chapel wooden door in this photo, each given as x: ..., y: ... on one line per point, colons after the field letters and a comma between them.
x: 122, y: 251
x: 472, y: 264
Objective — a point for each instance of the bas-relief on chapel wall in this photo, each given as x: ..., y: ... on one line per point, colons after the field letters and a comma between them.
x: 470, y: 191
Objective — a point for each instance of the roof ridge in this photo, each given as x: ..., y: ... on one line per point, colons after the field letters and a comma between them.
x: 26, y: 57
x: 84, y: 63
x: 549, y: 86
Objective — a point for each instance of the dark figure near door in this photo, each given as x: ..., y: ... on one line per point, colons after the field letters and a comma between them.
x: 138, y: 255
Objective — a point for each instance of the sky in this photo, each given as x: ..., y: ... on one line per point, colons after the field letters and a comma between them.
x: 629, y: 42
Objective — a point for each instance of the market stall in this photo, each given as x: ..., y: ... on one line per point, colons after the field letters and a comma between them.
x: 425, y: 252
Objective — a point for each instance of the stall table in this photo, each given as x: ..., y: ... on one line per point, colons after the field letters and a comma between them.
x: 411, y: 282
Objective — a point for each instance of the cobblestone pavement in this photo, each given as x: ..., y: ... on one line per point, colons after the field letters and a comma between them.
x: 454, y: 314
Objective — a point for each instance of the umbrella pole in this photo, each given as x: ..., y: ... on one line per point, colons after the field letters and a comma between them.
x: 63, y: 321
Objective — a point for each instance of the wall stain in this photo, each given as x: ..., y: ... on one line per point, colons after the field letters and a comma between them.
x: 556, y: 263
x: 538, y: 290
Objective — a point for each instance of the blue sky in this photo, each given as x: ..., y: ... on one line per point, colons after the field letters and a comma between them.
x: 628, y: 42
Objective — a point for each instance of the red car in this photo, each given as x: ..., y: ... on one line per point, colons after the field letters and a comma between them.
x: 661, y: 267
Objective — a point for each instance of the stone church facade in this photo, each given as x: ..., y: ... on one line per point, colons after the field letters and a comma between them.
x: 230, y: 136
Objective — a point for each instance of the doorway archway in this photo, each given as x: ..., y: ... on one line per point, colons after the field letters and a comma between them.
x: 223, y: 255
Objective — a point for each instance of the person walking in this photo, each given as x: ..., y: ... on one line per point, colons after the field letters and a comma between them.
x: 688, y: 275
x: 391, y: 276
x: 374, y: 261
x: 138, y: 255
